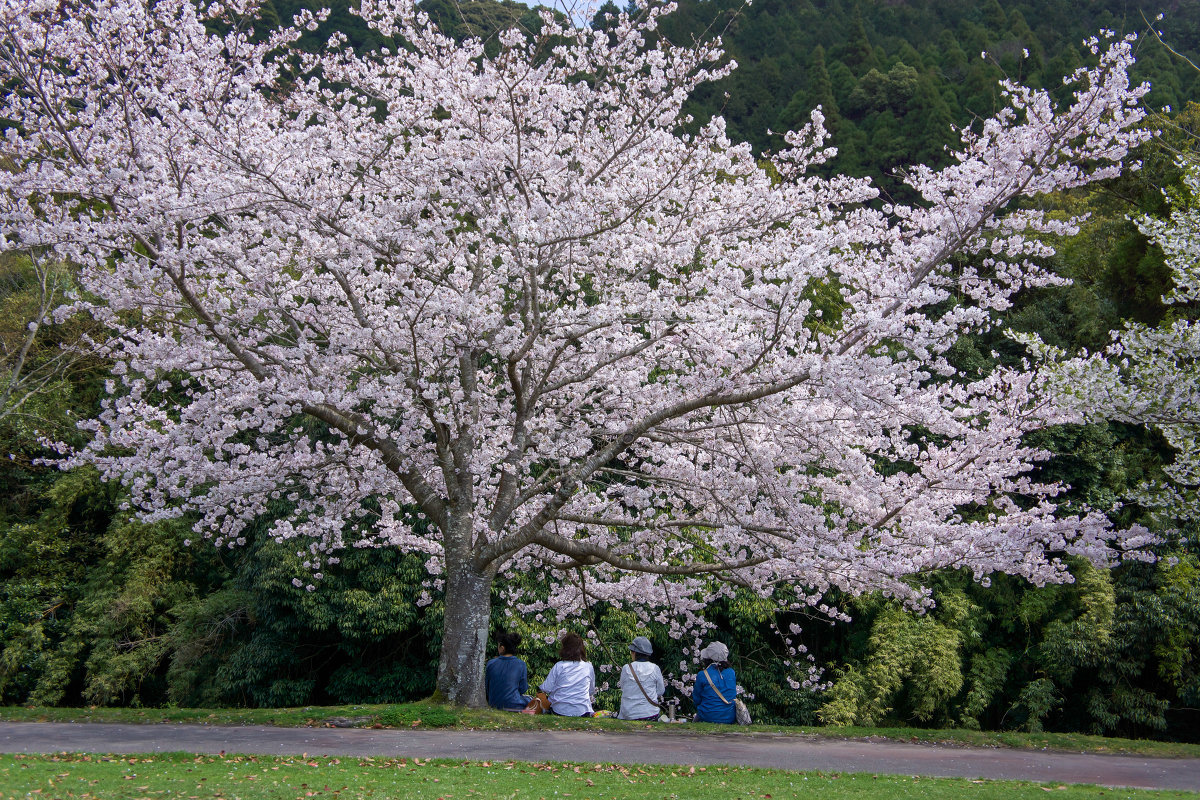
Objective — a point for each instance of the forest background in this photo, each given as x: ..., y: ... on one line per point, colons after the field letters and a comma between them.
x: 96, y: 608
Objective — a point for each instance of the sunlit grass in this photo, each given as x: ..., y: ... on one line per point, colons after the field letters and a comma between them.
x: 259, y: 778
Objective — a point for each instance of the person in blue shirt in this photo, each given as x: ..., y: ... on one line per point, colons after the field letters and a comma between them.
x: 716, y: 686
x: 506, y: 677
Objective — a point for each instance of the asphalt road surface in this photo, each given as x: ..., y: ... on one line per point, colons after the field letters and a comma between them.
x: 633, y: 747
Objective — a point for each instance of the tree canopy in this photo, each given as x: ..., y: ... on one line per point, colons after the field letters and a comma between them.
x: 514, y: 310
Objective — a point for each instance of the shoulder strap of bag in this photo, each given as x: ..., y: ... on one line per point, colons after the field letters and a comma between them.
x: 633, y: 672
x: 714, y: 687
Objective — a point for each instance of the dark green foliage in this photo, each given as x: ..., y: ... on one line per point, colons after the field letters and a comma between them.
x: 878, y: 92
x: 1113, y: 653
x: 460, y: 19
x: 97, y: 608
x: 857, y: 53
x: 779, y: 81
x: 358, y: 34
x: 1034, y: 703
x: 359, y: 636
x: 914, y: 660
x: 44, y: 560
x: 88, y: 598
x: 119, y: 631
x: 926, y: 110
x: 984, y: 680
x: 482, y: 19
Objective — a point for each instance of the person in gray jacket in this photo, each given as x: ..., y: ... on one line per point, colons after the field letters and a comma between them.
x: 642, y: 685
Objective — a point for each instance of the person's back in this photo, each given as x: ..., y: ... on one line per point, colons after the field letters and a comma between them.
x: 716, y: 687
x: 641, y: 683
x: 571, y: 683
x: 709, y: 706
x: 507, y: 681
x: 637, y: 695
x: 506, y: 676
x: 570, y: 686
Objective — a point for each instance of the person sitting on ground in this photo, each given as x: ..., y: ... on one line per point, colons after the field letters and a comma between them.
x: 716, y: 686
x: 571, y: 684
x: 506, y: 676
x: 641, y: 682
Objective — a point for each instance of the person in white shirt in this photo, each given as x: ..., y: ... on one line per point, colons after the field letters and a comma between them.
x: 571, y: 684
x: 642, y: 685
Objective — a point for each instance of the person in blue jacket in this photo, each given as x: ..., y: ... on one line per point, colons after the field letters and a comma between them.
x: 506, y: 676
x: 716, y: 686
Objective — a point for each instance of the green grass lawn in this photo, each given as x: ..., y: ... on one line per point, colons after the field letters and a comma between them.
x: 430, y: 715
x: 258, y: 778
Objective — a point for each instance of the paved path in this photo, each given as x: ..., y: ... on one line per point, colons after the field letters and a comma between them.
x: 641, y: 747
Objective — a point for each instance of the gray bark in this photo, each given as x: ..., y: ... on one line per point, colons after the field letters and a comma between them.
x: 464, y: 642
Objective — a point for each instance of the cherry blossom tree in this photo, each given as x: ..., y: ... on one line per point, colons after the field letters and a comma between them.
x: 523, y: 315
x: 1150, y: 375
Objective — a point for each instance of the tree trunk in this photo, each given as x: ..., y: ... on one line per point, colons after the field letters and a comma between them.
x: 465, y: 635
